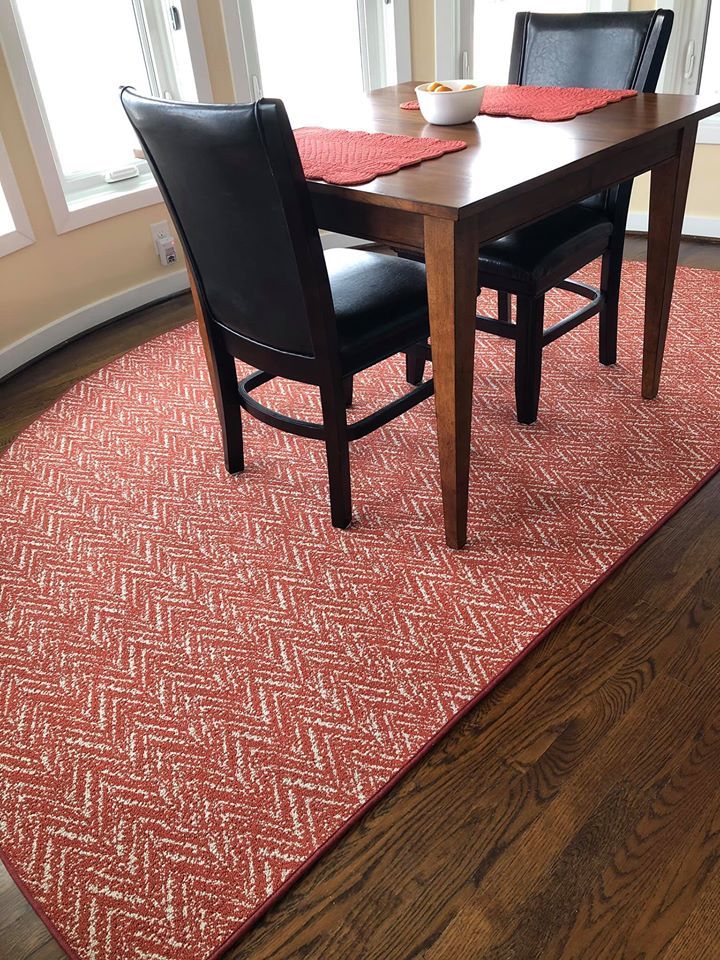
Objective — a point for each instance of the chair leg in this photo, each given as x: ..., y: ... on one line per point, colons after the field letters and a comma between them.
x: 337, y: 448
x: 223, y: 376
x: 528, y: 357
x: 415, y: 364
x: 224, y: 381
x: 504, y: 307
x: 348, y: 390
x: 610, y: 286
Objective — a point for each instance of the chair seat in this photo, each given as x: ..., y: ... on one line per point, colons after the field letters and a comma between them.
x: 380, y: 305
x: 532, y: 260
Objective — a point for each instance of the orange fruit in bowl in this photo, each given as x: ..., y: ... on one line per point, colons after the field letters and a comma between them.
x: 469, y: 86
x: 432, y: 87
x: 441, y: 88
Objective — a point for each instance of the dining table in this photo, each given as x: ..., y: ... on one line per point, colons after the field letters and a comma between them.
x: 511, y: 173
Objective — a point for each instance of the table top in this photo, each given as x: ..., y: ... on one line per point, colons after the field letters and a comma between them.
x: 502, y: 153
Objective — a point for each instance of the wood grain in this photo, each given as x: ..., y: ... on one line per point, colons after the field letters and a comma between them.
x: 451, y: 257
x: 668, y: 193
x: 508, y: 158
x: 574, y: 813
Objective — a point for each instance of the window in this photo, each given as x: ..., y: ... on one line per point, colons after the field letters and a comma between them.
x: 15, y: 230
x: 710, y: 74
x: 708, y: 69
x: 7, y: 224
x: 474, y: 37
x: 315, y: 55
x: 291, y: 69
x: 318, y: 53
x: 68, y: 60
x: 693, y: 61
x: 493, y: 25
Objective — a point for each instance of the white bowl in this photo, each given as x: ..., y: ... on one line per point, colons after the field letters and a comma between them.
x: 453, y: 106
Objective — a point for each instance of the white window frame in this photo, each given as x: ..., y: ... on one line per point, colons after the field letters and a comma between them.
x: 454, y: 31
x: 22, y: 235
x: 691, y: 18
x: 386, y: 19
x: 110, y: 200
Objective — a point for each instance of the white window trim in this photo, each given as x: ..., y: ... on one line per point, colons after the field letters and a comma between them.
x: 125, y: 196
x: 453, y: 39
x: 22, y: 235
x: 243, y: 56
x: 708, y: 129
x: 403, y: 44
x: 454, y: 31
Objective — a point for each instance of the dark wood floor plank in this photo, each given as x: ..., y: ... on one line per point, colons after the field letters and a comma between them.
x: 546, y: 876
x: 693, y: 253
x: 23, y: 935
x: 697, y: 939
x: 573, y: 813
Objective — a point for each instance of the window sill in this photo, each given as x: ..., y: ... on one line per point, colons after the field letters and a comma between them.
x: 15, y: 240
x: 106, y: 201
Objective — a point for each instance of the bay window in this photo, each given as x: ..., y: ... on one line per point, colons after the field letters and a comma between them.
x: 68, y: 59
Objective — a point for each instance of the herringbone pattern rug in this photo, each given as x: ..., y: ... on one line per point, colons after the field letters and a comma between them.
x: 201, y: 681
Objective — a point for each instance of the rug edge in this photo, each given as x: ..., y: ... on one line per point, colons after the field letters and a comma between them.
x: 300, y: 872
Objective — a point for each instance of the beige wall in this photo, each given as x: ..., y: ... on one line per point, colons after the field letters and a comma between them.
x: 704, y: 194
x: 58, y: 275
x: 422, y: 29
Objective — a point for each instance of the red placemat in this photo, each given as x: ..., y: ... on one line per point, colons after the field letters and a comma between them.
x: 541, y: 103
x: 350, y: 157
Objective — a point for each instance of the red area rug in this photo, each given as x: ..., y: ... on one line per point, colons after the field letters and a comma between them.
x: 350, y: 157
x: 541, y: 103
x: 202, y: 683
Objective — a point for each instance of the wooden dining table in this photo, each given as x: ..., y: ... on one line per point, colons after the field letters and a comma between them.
x: 512, y: 173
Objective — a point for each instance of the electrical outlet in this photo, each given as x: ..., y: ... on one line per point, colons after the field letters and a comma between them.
x: 164, y: 242
x: 159, y: 231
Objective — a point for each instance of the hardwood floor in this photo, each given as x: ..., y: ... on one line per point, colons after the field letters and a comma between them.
x: 575, y: 813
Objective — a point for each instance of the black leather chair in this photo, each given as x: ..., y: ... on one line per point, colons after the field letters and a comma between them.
x: 605, y: 50
x: 265, y: 293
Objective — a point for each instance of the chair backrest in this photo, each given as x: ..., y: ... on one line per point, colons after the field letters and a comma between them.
x: 611, y: 51
x: 233, y: 182
x: 614, y: 51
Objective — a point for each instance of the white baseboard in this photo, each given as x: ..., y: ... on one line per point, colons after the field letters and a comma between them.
x: 692, y: 226
x: 65, y: 328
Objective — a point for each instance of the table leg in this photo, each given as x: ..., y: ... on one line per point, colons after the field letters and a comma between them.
x: 668, y: 193
x: 451, y: 261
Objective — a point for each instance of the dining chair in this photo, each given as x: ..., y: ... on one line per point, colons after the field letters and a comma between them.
x: 264, y: 291
x: 602, y: 50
